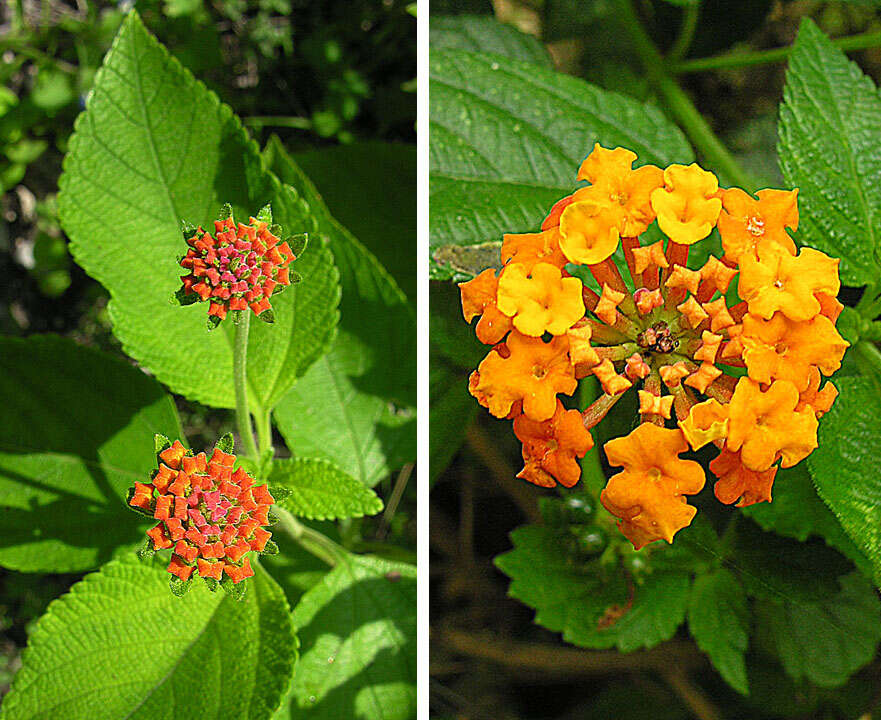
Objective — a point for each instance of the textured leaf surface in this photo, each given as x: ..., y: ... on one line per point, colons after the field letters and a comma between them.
x: 827, y: 641
x: 120, y: 645
x: 75, y: 433
x: 485, y: 34
x: 718, y: 619
x: 575, y: 600
x: 154, y: 147
x: 830, y: 148
x: 506, y: 139
x: 845, y: 466
x: 357, y: 631
x: 321, y: 491
x: 798, y: 512
x: 355, y: 407
x: 370, y: 188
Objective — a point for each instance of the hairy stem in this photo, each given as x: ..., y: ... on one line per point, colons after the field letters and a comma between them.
x: 263, y: 423
x: 240, y: 379
x: 314, y: 542
x: 862, y: 41
x: 679, y: 105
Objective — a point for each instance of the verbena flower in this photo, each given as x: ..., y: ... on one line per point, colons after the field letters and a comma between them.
x: 714, y: 362
x: 239, y: 267
x: 210, y: 516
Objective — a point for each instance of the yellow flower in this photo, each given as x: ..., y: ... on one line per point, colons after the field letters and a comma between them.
x: 749, y: 226
x: 706, y: 423
x: 687, y: 207
x: 543, y: 301
x: 588, y: 232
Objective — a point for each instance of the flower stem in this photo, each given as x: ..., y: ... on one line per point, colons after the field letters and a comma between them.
x: 862, y: 41
x: 591, y: 464
x: 686, y: 33
x: 679, y: 105
x: 263, y: 423
x: 240, y: 379
x: 317, y: 543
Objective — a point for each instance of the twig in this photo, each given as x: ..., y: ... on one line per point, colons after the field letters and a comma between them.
x: 565, y: 661
x: 503, y: 473
x: 395, y: 499
x: 689, y: 693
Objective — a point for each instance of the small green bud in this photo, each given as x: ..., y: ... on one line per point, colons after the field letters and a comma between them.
x: 226, y: 444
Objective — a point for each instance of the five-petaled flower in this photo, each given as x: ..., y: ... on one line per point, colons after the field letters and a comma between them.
x: 733, y: 364
x: 210, y: 515
x: 239, y: 267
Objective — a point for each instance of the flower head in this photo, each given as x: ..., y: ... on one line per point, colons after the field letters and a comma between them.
x: 743, y: 375
x: 210, y: 515
x: 239, y: 267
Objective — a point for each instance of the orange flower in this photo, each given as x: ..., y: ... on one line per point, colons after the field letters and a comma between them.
x: 616, y: 184
x: 209, y: 512
x: 819, y: 401
x: 648, y: 495
x: 543, y: 301
x: 533, y: 372
x: 531, y: 248
x: 782, y: 349
x: 588, y: 232
x: 687, y: 206
x: 766, y: 426
x: 788, y: 283
x: 241, y: 267
x: 706, y: 423
x: 738, y: 483
x: 748, y: 226
x: 550, y: 447
x: 479, y: 298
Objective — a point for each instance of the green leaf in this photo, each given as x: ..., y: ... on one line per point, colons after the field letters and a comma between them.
x: 845, y: 466
x: 321, y: 491
x: 120, y: 644
x: 485, y: 34
x: 451, y: 411
x: 155, y: 147
x: 577, y: 599
x: 718, y: 619
x: 798, y: 512
x: 77, y: 430
x: 830, y: 148
x: 370, y: 188
x: 827, y: 641
x: 778, y: 568
x: 357, y: 631
x: 506, y: 141
x: 226, y: 444
x: 355, y: 406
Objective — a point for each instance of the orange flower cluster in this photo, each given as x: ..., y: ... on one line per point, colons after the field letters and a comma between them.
x: 740, y: 368
x: 210, y: 515
x: 240, y: 268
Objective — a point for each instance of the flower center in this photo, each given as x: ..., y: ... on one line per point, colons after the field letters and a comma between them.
x: 756, y: 226
x: 657, y: 338
x: 539, y: 371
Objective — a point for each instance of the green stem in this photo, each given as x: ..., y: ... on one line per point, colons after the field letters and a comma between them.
x: 686, y: 33
x: 869, y: 358
x: 680, y: 106
x: 765, y: 57
x: 263, y: 423
x: 869, y: 300
x: 318, y: 544
x: 240, y: 379
x: 591, y: 465
x: 298, y: 123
